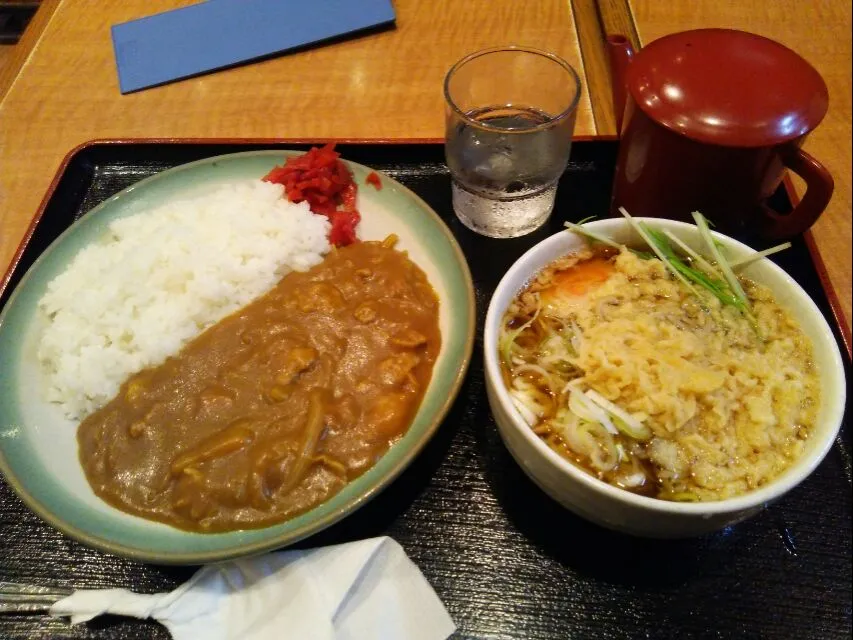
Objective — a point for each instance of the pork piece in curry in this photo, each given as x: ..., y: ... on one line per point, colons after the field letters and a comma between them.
x: 275, y: 408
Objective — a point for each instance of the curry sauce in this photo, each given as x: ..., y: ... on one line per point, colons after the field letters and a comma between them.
x: 274, y: 409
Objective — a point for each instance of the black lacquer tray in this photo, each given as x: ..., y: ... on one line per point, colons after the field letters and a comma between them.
x: 506, y: 560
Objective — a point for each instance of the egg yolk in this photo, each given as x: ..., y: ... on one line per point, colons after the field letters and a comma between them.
x: 569, y: 288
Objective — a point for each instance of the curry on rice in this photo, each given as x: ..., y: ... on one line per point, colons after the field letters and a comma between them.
x: 274, y: 409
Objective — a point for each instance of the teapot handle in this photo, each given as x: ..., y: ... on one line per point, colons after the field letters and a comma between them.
x: 819, y: 187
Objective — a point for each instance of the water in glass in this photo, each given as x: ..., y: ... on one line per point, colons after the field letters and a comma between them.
x: 505, y: 167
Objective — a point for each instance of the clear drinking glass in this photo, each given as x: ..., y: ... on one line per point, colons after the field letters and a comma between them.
x: 510, y: 115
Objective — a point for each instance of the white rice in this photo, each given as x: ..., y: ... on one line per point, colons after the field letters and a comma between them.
x: 160, y: 277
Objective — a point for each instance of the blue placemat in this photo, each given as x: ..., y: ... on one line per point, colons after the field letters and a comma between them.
x: 222, y: 33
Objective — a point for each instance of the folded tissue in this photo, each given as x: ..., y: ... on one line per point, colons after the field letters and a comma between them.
x: 356, y: 591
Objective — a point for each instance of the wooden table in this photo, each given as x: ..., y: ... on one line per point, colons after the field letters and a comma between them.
x: 794, y: 24
x: 820, y: 32
x: 61, y: 87
x: 383, y: 86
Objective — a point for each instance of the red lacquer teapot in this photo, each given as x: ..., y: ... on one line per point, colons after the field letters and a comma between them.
x: 709, y: 120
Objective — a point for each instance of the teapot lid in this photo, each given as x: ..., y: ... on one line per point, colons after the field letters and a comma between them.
x: 727, y: 87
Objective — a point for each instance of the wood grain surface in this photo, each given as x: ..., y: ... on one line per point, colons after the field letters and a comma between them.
x: 61, y: 88
x: 5, y: 53
x: 380, y: 86
x: 595, y: 63
x: 14, y: 57
x: 617, y: 17
x: 820, y: 32
x: 594, y: 19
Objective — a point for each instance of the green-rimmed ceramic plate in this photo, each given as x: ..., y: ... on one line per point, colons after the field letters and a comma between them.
x: 38, y: 446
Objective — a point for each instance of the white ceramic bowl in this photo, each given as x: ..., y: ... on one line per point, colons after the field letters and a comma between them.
x: 621, y: 510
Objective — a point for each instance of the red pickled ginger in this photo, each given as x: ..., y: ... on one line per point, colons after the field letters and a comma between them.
x: 321, y: 179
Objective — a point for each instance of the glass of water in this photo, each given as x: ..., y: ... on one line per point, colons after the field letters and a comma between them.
x: 510, y: 115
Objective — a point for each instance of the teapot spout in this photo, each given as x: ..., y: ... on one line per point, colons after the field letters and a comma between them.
x: 621, y: 53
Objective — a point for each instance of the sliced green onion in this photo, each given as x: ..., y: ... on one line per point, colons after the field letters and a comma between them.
x: 717, y: 287
x: 580, y: 408
x: 508, y: 339
x: 580, y: 404
x: 634, y: 480
x: 704, y: 264
x: 718, y: 279
x: 538, y: 370
x: 653, y: 246
x: 722, y: 263
x: 755, y: 257
x: 577, y: 228
x: 606, y: 446
x: 624, y: 421
x: 526, y: 413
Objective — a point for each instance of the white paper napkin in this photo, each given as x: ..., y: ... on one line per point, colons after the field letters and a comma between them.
x: 356, y: 591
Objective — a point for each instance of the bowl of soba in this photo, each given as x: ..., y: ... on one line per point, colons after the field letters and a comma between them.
x: 660, y: 379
